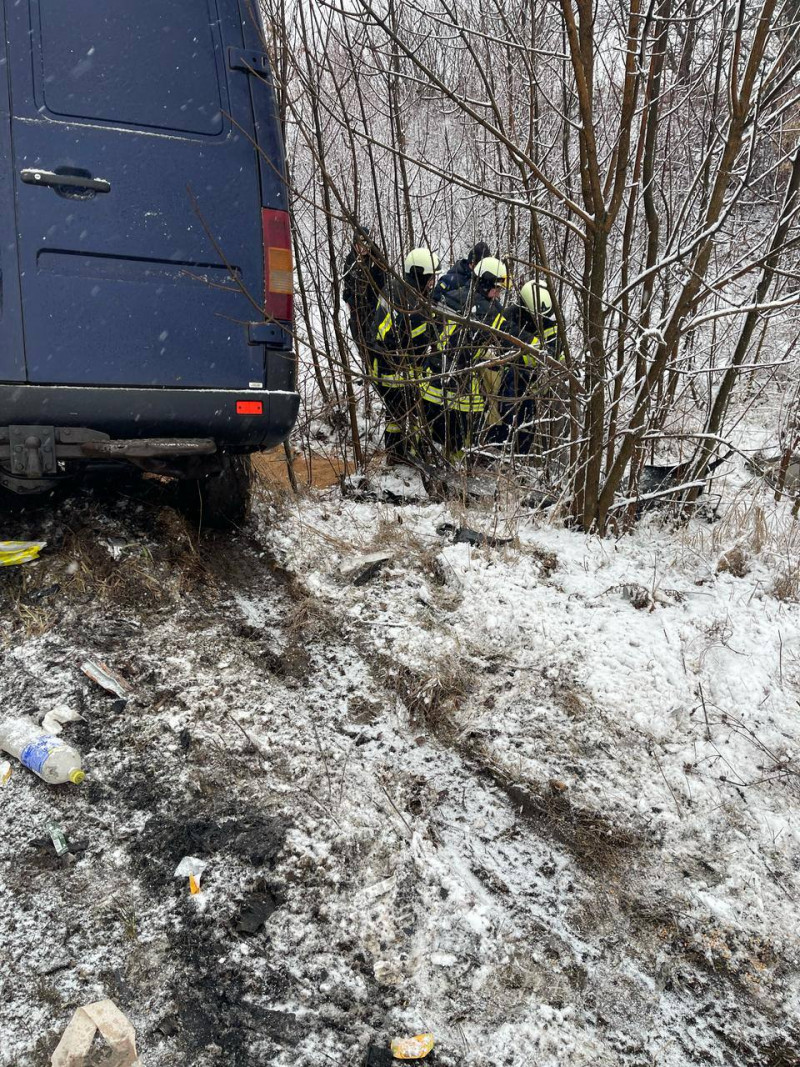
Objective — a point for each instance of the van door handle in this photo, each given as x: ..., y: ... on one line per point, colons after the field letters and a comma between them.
x: 34, y: 176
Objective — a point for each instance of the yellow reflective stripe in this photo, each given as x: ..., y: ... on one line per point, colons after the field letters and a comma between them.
x: 419, y: 329
x: 551, y: 331
x: 394, y: 380
x: 446, y: 334
x: 432, y: 393
x: 473, y: 401
x: 499, y: 320
x: 385, y: 326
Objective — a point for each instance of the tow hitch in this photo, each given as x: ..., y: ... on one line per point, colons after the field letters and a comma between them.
x: 30, y: 455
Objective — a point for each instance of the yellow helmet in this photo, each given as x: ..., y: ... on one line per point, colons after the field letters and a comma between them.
x: 493, y: 270
x: 536, y: 298
x: 421, y: 261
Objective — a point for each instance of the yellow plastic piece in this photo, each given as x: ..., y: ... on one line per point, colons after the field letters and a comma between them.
x: 76, y: 776
x: 194, y: 885
x: 412, y: 1048
x: 5, y: 772
x: 15, y: 552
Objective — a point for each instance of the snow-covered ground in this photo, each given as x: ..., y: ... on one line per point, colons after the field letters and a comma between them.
x: 539, y: 798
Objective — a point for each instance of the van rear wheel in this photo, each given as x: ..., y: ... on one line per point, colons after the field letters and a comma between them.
x: 219, y: 500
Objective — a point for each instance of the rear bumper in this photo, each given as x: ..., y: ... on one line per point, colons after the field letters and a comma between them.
x: 135, y: 413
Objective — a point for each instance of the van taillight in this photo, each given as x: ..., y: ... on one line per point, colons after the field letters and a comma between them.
x: 278, y: 273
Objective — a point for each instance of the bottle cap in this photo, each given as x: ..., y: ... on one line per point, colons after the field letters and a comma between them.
x: 76, y: 776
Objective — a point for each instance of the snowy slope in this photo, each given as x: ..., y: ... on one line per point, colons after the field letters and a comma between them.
x: 484, y: 792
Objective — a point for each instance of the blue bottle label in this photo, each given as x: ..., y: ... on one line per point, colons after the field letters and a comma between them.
x: 34, y: 756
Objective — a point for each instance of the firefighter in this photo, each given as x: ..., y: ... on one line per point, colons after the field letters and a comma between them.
x: 531, y: 320
x: 452, y: 394
x: 363, y: 281
x: 401, y: 332
x: 460, y: 274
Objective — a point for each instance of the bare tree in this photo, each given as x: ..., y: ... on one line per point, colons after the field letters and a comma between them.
x: 642, y: 157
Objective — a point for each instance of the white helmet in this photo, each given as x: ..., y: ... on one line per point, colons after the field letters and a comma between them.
x: 536, y: 298
x: 421, y: 261
x: 492, y: 270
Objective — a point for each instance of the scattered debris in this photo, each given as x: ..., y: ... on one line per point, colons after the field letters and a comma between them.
x: 538, y: 498
x: 412, y: 1048
x: 257, y: 909
x: 36, y: 595
x: 59, y: 838
x: 54, y: 720
x: 463, y: 535
x: 5, y: 771
x: 104, y: 676
x: 558, y: 787
x: 400, y: 485
x: 12, y: 553
x: 361, y: 570
x: 168, y: 1027
x: 192, y: 868
x: 664, y: 483
x: 780, y: 472
x: 119, y: 547
x: 52, y: 759
x: 102, y: 1016
x: 475, y: 486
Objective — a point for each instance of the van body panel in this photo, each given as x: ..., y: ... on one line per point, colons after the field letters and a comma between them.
x: 269, y: 132
x: 145, y: 285
x: 188, y: 413
x: 12, y: 350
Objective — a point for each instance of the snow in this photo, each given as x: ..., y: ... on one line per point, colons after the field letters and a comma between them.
x: 515, y: 810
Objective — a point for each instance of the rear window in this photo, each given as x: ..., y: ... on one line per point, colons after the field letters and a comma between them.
x: 140, y: 63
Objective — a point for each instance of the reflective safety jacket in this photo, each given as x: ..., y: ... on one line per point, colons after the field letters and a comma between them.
x: 402, y: 331
x: 541, y: 334
x: 448, y: 380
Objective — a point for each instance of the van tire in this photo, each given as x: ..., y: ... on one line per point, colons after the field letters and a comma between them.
x: 221, y: 500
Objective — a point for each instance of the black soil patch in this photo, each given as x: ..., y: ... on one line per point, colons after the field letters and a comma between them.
x: 215, y: 1002
x: 254, y: 838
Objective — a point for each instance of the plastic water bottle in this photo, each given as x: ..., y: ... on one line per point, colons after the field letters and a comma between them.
x: 46, y: 755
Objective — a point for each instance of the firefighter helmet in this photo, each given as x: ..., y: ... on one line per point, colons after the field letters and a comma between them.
x: 536, y: 298
x: 421, y: 261
x: 491, y: 272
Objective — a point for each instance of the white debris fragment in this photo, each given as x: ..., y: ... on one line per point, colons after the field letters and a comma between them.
x: 58, y: 717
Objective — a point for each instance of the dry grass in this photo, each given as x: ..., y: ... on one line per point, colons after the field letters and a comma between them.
x: 434, y: 699
x: 752, y: 531
x: 146, y: 559
x: 735, y: 562
x: 596, y: 843
x: 787, y: 585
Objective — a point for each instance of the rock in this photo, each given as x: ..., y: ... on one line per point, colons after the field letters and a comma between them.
x: 255, y: 912
x: 364, y: 568
x: 378, y: 1056
x: 637, y: 595
x: 463, y: 535
x: 734, y: 562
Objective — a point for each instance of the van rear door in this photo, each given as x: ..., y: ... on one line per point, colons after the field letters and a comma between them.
x: 137, y: 193
x: 12, y: 357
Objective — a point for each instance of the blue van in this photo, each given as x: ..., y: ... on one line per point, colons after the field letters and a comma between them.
x: 145, y: 252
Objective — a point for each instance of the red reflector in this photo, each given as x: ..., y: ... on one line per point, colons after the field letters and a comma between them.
x: 249, y: 407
